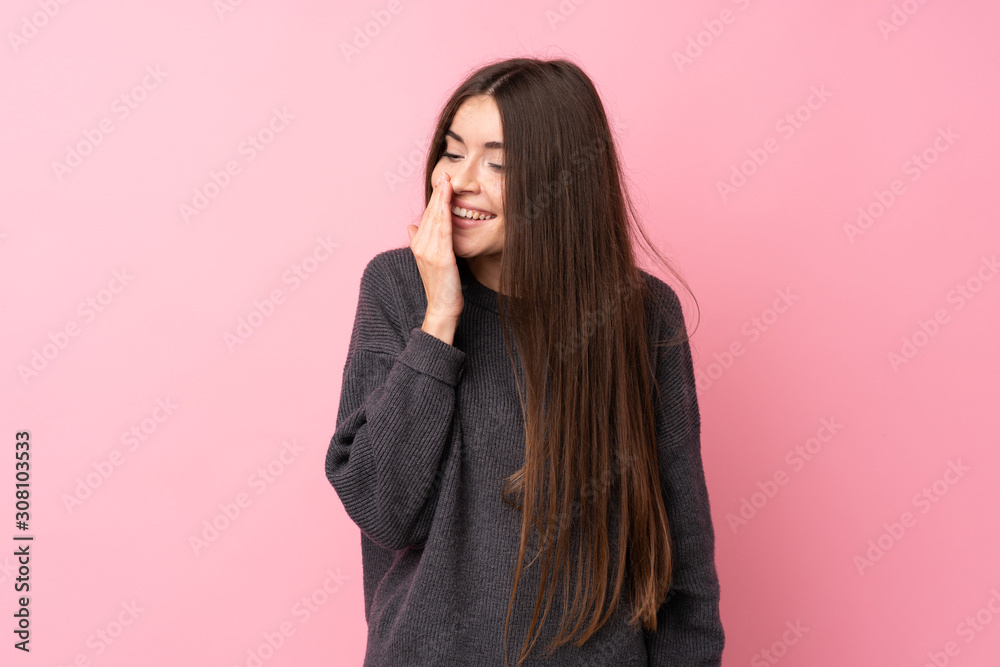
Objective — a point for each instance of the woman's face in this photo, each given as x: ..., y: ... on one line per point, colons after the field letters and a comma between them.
x: 472, y: 158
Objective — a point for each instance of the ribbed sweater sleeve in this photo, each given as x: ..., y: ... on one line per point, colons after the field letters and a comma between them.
x: 689, y: 628
x: 397, y: 404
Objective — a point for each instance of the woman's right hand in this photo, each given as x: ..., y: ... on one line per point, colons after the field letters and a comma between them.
x: 431, y: 244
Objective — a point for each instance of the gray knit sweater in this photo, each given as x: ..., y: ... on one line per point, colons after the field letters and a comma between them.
x: 426, y: 433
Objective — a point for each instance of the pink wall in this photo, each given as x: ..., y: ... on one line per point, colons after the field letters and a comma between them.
x: 848, y: 369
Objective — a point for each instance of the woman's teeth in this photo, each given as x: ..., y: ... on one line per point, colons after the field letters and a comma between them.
x: 471, y: 215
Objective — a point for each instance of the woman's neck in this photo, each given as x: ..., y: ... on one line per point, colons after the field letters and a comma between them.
x: 486, y: 269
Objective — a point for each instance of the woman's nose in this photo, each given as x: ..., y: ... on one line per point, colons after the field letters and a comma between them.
x: 463, y: 177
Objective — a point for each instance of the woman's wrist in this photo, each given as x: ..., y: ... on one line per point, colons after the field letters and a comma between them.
x: 440, y: 327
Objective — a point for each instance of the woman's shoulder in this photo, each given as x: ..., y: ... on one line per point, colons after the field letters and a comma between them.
x: 662, y: 304
x: 391, y: 284
x: 391, y: 265
x: 392, y: 275
x: 659, y: 289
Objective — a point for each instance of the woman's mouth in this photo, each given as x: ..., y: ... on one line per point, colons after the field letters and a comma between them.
x: 469, y: 218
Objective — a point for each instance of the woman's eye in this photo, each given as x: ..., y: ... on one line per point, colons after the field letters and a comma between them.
x: 453, y: 157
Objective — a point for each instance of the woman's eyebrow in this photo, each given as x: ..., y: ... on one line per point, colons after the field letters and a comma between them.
x: 488, y: 144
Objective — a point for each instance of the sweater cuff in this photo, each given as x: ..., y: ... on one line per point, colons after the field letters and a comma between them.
x: 430, y: 355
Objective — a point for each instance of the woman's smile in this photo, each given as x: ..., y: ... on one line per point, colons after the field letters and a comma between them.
x: 467, y: 217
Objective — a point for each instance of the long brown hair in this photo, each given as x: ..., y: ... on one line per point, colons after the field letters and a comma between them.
x: 582, y: 333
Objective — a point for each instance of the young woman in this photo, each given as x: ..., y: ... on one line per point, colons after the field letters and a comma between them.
x: 518, y: 410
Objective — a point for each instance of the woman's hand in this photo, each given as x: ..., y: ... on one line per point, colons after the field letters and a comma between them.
x: 431, y: 244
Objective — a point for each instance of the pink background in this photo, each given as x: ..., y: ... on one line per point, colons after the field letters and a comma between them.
x: 341, y: 142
